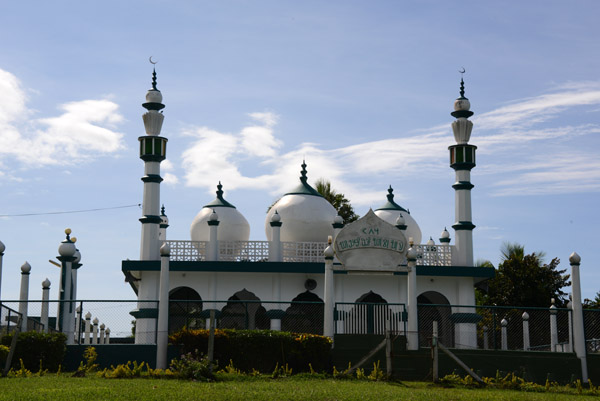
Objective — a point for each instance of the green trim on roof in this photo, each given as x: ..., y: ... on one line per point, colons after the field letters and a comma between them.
x: 219, y: 201
x: 304, y: 187
x: 390, y: 204
x: 145, y: 313
x: 294, y: 267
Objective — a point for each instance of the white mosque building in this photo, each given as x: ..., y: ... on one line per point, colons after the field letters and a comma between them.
x: 365, y: 276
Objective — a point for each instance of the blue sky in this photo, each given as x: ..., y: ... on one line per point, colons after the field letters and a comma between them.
x: 362, y: 90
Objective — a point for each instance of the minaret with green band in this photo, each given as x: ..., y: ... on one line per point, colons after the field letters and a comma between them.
x: 462, y: 160
x: 153, y: 148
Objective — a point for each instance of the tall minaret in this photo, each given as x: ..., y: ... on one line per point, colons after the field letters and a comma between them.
x: 153, y: 149
x: 462, y: 160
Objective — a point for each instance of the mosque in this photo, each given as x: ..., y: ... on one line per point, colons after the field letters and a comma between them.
x: 313, y: 272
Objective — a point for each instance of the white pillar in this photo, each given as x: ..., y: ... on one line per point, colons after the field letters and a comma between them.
x: 526, y: 343
x: 88, y: 328
x: 67, y: 252
x: 578, y: 327
x: 162, y: 337
x: 553, y: 327
x: 570, y: 312
x: 24, y: 294
x: 95, y: 331
x: 101, y: 336
x: 212, y: 253
x: 275, y: 249
x: 504, y: 323
x: 328, y: 329
x: 413, y: 324
x: 78, y: 312
x: 107, y: 336
x: 45, y: 304
x: 2, y: 249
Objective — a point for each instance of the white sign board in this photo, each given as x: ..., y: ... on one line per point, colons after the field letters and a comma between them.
x: 370, y: 244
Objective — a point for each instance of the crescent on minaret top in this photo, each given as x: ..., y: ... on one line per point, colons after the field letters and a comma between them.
x: 152, y: 62
x: 462, y: 72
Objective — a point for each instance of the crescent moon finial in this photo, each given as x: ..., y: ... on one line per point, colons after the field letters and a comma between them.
x: 152, y: 62
x: 462, y: 72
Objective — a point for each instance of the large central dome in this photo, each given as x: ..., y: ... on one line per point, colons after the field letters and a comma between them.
x: 306, y: 216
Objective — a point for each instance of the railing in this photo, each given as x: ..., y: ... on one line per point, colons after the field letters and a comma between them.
x: 434, y: 255
x: 258, y: 251
x: 369, y: 318
x: 9, y: 318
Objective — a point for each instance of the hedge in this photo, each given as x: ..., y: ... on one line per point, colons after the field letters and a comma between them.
x: 32, y: 347
x: 261, y: 350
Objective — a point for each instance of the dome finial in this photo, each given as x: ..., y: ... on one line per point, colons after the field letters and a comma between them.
x: 220, y: 191
x: 303, y: 172
x: 153, y: 73
x: 390, y: 195
x: 162, y: 210
x: 462, y: 83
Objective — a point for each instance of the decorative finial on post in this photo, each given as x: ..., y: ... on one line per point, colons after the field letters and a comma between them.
x: 303, y: 172
x: 153, y: 73
x: 462, y: 83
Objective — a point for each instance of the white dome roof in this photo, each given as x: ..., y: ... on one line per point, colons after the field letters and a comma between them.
x: 390, y: 212
x: 305, y: 215
x: 233, y: 225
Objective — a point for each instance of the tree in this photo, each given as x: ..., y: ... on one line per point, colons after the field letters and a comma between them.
x: 592, y: 303
x: 524, y: 280
x: 337, y: 200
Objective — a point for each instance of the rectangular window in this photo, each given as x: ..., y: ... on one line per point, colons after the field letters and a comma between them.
x: 148, y: 146
x: 469, y: 154
x: 460, y: 157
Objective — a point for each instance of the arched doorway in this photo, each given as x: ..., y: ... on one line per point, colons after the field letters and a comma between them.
x: 434, y: 307
x: 368, y: 315
x: 305, y: 314
x: 185, y: 305
x: 238, y: 314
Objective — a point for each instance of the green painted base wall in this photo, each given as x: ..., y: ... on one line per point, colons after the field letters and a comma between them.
x: 417, y: 365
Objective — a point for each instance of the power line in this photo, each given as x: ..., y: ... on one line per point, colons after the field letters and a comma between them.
x: 70, y: 211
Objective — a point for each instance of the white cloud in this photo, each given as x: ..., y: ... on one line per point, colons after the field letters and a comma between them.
x: 85, y: 129
x: 501, y: 135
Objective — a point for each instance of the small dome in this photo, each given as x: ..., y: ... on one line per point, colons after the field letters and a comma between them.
x: 25, y: 268
x: 233, y: 225
x: 338, y: 220
x: 46, y: 283
x: 154, y: 96
x: 163, y: 217
x: 276, y: 218
x: 400, y: 221
x: 306, y: 216
x: 390, y: 211
x: 431, y: 242
x: 462, y: 104
x: 445, y: 234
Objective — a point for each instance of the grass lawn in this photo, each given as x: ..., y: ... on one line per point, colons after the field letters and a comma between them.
x: 65, y: 387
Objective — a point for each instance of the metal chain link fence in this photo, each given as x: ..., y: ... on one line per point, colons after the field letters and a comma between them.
x: 489, y: 327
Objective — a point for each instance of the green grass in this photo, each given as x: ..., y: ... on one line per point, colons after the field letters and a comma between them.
x: 65, y: 387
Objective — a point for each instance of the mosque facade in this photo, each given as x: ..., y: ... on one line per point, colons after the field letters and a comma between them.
x: 362, y: 277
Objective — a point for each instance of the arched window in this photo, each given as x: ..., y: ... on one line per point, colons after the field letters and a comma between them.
x: 185, y: 305
x: 434, y: 307
x: 244, y: 311
x: 305, y: 314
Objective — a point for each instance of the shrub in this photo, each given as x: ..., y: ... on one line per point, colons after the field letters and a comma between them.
x: 3, y: 353
x: 260, y: 350
x: 192, y: 366
x: 33, y: 347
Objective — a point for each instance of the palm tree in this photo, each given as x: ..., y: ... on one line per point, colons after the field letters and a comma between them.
x: 337, y: 200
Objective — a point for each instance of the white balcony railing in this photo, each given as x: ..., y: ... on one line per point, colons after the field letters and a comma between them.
x: 258, y: 251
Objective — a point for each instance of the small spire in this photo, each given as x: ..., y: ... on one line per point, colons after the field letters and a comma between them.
x: 390, y: 195
x: 303, y: 172
x: 154, y: 79
x: 162, y: 210
x: 220, y: 191
x: 462, y: 87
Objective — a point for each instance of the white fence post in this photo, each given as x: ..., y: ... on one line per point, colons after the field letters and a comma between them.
x: 526, y: 343
x: 504, y: 323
